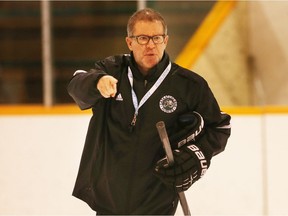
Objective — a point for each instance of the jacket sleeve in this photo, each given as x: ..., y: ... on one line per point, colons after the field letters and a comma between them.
x: 217, y: 128
x: 215, y: 136
x: 83, y: 85
x: 82, y: 88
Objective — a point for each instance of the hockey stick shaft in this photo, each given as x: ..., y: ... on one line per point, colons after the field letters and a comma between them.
x: 170, y: 159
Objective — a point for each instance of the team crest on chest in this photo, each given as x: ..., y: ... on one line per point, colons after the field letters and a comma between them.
x: 168, y: 104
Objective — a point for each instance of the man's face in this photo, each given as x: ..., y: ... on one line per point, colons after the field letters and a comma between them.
x: 147, y: 56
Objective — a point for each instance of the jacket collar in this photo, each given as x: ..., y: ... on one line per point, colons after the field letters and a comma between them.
x: 154, y: 73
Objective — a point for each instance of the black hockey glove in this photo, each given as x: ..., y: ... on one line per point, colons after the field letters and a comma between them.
x: 190, y: 164
x: 189, y: 126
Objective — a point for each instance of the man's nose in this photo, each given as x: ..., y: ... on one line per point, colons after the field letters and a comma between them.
x: 150, y: 43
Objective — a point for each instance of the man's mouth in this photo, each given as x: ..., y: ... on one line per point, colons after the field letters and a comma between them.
x: 149, y: 54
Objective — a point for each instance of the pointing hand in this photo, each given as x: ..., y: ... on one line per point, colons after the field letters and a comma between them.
x: 107, y: 85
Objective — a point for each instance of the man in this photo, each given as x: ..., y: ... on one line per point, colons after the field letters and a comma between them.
x: 122, y: 170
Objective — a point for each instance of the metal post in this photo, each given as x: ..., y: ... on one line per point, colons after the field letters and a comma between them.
x: 141, y: 4
x: 46, y: 53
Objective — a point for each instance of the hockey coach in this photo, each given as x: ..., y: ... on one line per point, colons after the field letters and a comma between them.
x: 123, y: 169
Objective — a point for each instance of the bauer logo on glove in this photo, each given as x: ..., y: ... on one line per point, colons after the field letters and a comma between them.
x: 190, y: 164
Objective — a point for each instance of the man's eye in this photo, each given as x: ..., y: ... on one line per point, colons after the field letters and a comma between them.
x: 157, y: 38
x: 143, y: 38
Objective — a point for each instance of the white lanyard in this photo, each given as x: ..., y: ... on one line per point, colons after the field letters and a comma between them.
x: 148, y: 94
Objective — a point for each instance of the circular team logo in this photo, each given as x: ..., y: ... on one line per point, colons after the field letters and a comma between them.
x: 168, y: 104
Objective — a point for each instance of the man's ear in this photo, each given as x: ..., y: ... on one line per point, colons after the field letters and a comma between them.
x: 129, y: 43
x: 166, y: 40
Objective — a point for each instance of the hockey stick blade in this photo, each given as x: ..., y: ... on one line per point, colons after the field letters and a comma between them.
x: 170, y: 159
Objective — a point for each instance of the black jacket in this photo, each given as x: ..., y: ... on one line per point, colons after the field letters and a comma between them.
x: 116, y: 170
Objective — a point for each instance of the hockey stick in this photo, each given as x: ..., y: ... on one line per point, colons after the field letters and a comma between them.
x: 170, y: 159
